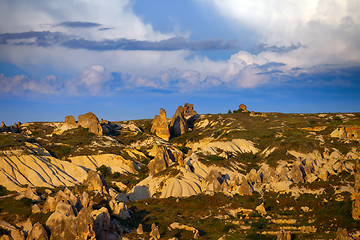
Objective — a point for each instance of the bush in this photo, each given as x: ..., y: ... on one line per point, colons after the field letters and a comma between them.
x: 4, y: 231
x: 104, y: 170
x: 3, y: 191
x: 26, y: 201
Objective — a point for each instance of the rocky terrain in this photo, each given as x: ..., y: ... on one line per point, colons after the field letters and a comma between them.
x: 240, y: 175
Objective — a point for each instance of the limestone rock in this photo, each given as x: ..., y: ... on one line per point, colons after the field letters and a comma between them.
x: 189, y: 110
x: 178, y: 124
x: 70, y: 120
x: 90, y: 121
x: 38, y: 232
x: 283, y: 235
x: 160, y: 126
x: 95, y: 182
x: 154, y: 234
x: 356, y: 192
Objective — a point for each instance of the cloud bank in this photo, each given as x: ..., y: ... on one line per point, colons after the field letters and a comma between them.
x: 94, y: 41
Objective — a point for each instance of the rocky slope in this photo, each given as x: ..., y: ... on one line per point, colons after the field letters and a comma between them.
x: 241, y: 175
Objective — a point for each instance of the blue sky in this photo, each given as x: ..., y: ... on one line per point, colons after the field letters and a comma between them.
x: 126, y: 59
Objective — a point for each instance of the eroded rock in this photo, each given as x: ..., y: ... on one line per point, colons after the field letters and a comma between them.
x: 178, y: 124
x: 160, y: 126
x: 90, y: 121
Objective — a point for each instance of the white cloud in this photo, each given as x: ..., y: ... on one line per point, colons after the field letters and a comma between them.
x: 37, y: 15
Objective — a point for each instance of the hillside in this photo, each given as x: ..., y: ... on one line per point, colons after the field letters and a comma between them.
x: 240, y: 175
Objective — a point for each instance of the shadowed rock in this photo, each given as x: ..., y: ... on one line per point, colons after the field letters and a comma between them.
x: 178, y: 124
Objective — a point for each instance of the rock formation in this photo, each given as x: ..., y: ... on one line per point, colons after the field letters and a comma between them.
x: 154, y: 234
x: 189, y: 110
x: 10, y: 129
x: 160, y: 126
x: 95, y: 182
x: 283, y: 235
x: 90, y: 121
x: 38, y: 232
x: 243, y: 108
x: 163, y: 159
x: 178, y: 124
x: 70, y: 120
x: 103, y: 226
x: 348, y: 132
x: 356, y: 193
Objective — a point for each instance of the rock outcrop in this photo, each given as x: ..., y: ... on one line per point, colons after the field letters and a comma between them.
x: 10, y: 129
x: 356, y: 193
x: 38, y: 232
x: 163, y: 159
x: 89, y: 120
x: 160, y: 126
x: 348, y: 132
x: 103, y: 226
x: 178, y: 124
x: 154, y: 234
x: 70, y: 120
x: 243, y: 108
x: 283, y: 235
x: 189, y: 110
x: 95, y: 182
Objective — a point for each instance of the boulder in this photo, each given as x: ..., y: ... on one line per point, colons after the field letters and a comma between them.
x: 296, y: 174
x: 189, y: 110
x: 90, y: 121
x: 356, y: 193
x: 214, y: 181
x: 178, y: 124
x: 160, y: 126
x: 38, y: 232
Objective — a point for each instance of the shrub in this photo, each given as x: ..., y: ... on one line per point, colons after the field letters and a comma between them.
x: 104, y: 170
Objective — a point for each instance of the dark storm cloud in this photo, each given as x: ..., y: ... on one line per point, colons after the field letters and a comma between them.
x: 79, y: 24
x: 46, y: 39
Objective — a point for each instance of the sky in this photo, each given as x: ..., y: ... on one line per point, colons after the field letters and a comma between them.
x: 126, y: 59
